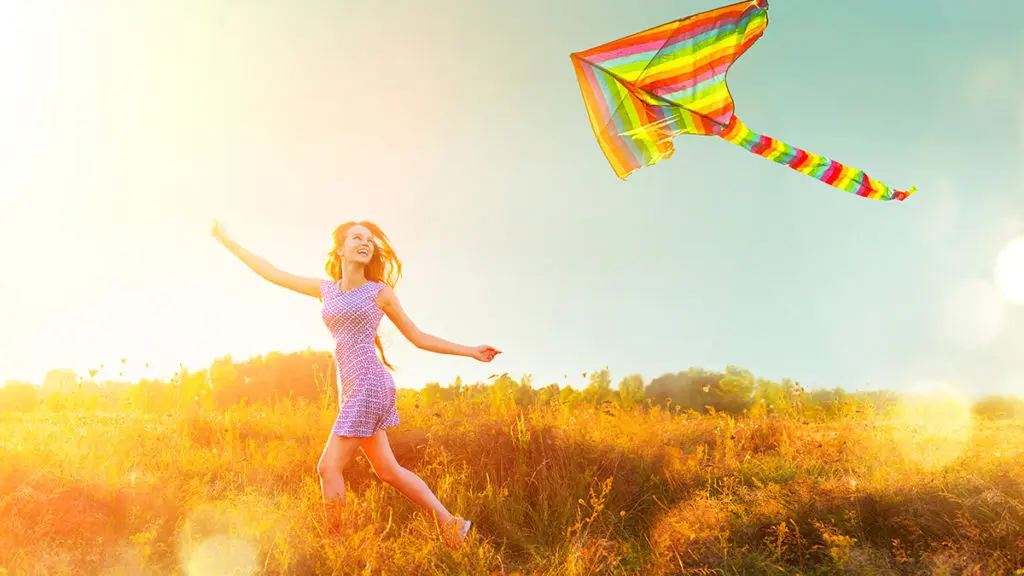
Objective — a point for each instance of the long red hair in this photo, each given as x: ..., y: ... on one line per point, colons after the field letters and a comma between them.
x: 384, y: 265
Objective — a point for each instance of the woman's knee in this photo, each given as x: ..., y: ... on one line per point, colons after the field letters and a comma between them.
x: 389, y: 475
x: 327, y: 468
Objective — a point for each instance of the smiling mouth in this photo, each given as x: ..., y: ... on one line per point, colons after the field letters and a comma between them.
x: 363, y: 252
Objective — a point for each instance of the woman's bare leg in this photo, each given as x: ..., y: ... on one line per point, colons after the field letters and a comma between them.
x: 337, y: 454
x: 378, y: 452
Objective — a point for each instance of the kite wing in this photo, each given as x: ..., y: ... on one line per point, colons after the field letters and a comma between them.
x: 643, y: 90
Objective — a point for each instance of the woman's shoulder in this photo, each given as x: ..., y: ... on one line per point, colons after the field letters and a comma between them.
x: 326, y: 286
x: 382, y: 292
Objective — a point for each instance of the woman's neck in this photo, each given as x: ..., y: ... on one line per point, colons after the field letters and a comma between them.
x: 352, y: 275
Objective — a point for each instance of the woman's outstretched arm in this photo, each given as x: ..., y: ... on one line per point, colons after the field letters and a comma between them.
x: 259, y: 265
x: 388, y: 301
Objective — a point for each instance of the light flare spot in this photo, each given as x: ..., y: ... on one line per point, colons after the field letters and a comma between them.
x: 1009, y: 271
x: 932, y: 424
x: 223, y: 556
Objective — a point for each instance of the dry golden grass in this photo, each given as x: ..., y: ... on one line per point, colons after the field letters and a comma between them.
x: 551, y: 490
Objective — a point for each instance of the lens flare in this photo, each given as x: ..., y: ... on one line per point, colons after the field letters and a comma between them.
x: 1009, y: 271
x: 932, y: 424
x: 223, y: 555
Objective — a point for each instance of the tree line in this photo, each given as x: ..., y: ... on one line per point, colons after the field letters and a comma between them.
x: 309, y: 376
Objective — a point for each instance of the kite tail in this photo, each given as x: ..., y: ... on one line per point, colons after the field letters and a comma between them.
x: 828, y: 171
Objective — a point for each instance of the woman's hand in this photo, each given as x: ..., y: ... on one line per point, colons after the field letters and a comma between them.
x: 217, y: 231
x: 485, y: 353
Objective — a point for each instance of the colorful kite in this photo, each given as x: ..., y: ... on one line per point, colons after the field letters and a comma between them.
x: 644, y: 90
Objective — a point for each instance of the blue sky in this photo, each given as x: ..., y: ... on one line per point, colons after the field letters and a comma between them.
x: 460, y: 129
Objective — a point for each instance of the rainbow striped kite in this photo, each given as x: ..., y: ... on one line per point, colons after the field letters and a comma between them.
x: 644, y: 90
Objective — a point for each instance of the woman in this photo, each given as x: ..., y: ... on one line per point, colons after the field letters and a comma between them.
x: 363, y: 269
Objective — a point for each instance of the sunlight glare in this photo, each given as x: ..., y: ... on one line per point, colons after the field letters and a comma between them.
x: 223, y: 555
x: 1009, y: 271
x: 932, y: 424
x: 972, y: 314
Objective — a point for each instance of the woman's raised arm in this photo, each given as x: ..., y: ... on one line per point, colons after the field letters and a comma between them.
x: 259, y: 265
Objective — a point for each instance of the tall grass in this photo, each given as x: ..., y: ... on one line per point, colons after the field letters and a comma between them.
x: 189, y: 488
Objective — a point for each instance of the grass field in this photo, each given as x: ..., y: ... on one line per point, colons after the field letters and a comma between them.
x: 553, y: 489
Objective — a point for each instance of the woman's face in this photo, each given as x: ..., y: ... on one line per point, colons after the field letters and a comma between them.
x: 358, y: 245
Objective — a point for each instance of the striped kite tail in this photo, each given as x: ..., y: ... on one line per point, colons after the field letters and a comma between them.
x: 828, y: 171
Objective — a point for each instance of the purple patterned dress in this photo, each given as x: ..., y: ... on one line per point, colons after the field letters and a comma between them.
x: 366, y: 390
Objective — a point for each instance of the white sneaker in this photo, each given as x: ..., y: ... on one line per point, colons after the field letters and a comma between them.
x: 455, y: 531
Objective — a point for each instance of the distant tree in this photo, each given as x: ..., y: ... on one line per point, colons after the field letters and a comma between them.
x: 430, y: 393
x: 599, y: 387
x: 631, y: 391
x: 151, y: 395
x: 19, y: 396
x: 734, y: 391
x: 570, y: 397
x: 63, y: 380
x: 999, y: 408
x: 308, y: 375
x: 225, y: 381
x: 523, y: 393
x: 690, y: 390
x: 781, y: 398
x: 193, y: 388
x: 500, y: 393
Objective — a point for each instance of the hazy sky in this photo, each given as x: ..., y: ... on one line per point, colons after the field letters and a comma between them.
x: 460, y: 129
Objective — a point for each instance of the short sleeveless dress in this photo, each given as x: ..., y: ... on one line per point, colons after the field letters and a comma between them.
x: 366, y: 390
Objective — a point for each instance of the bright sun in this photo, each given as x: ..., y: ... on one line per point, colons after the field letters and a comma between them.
x: 1009, y: 273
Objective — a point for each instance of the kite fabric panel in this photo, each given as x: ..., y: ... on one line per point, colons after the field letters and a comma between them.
x: 644, y: 90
